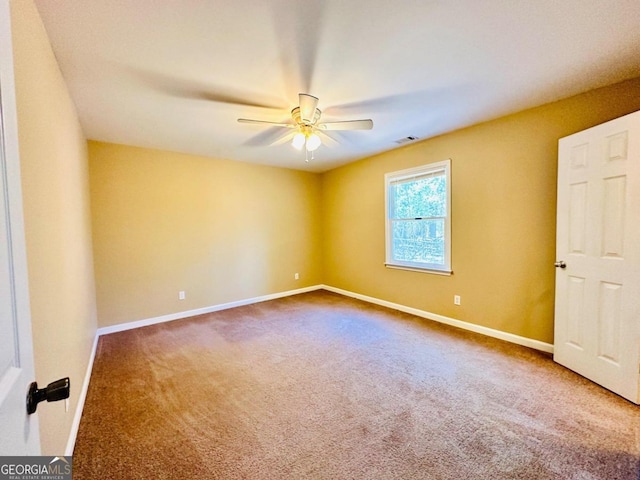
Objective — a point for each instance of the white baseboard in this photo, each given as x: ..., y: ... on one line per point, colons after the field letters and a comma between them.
x: 71, y: 442
x: 199, y: 311
x: 509, y: 337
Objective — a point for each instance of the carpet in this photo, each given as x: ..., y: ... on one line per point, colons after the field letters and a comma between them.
x: 322, y: 386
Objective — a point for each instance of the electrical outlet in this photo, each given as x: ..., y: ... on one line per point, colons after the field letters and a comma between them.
x: 181, y: 295
x: 296, y: 276
x: 456, y: 299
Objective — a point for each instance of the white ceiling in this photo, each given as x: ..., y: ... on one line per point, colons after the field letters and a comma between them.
x: 176, y: 75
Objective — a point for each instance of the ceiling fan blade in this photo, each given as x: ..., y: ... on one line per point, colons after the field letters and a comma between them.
x: 327, y: 139
x: 282, y: 140
x: 308, y: 104
x: 195, y: 89
x: 348, y: 125
x: 300, y: 28
x: 268, y: 136
x: 264, y: 122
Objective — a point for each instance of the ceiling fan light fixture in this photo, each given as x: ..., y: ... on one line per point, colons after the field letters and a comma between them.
x: 313, y: 142
x: 298, y: 140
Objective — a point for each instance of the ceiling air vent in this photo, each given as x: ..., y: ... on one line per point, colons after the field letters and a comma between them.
x: 404, y: 140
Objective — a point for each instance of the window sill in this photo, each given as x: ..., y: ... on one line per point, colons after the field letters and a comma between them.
x: 446, y: 273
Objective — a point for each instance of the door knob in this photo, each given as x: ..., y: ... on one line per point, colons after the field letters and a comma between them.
x: 560, y: 264
x: 58, y: 390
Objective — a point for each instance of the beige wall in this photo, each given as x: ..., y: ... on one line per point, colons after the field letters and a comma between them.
x: 53, y: 161
x: 503, y: 220
x: 219, y: 230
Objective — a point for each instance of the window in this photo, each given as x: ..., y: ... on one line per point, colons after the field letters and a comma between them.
x: 418, y: 205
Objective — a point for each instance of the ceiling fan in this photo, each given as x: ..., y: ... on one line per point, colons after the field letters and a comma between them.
x: 307, y: 125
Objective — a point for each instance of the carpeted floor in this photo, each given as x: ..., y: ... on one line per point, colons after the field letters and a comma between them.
x: 320, y: 386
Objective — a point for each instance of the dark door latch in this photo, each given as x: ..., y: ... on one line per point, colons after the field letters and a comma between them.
x: 58, y: 390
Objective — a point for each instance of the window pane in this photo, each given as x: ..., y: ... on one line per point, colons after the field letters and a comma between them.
x: 418, y: 241
x: 424, y: 197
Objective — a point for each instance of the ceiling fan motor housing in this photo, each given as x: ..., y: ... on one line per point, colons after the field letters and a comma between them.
x: 297, y: 117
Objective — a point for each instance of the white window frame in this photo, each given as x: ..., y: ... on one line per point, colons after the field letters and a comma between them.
x: 402, y: 175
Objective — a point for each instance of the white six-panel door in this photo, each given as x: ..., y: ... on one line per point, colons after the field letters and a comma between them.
x: 18, y: 431
x: 597, y: 313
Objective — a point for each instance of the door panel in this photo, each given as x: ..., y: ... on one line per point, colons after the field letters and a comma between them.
x: 575, y: 317
x: 577, y: 217
x: 598, y: 237
x: 613, y: 217
x: 609, y: 323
